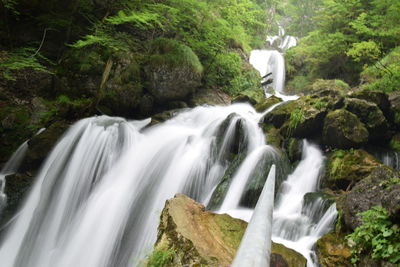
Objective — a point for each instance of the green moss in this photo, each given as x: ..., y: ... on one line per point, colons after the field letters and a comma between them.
x: 173, y: 53
x: 161, y: 258
x: 232, y: 230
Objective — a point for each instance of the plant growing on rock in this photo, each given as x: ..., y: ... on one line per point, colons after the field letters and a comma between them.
x: 377, y: 235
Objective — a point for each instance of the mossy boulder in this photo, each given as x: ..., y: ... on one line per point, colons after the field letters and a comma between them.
x: 381, y: 99
x: 252, y: 96
x: 338, y: 86
x: 173, y: 70
x: 196, y: 237
x: 380, y: 188
x: 280, y: 114
x: 394, y: 99
x: 372, y: 117
x: 294, y: 149
x: 267, y: 103
x: 343, y: 129
x: 346, y: 167
x: 332, y: 250
x: 273, y: 135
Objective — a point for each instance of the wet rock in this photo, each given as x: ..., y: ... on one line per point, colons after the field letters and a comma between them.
x: 220, y: 192
x: 40, y: 146
x: 294, y: 149
x: 17, y: 186
x: 198, y: 237
x: 332, y: 250
x: 394, y: 99
x: 372, y: 117
x: 343, y: 129
x: 253, y: 97
x: 346, y: 167
x: 380, y: 188
x: 267, y: 103
x: 231, y: 138
x: 280, y: 114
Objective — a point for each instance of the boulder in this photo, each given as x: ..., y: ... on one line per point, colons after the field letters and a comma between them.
x: 332, y: 250
x: 372, y: 117
x: 394, y: 99
x: 173, y: 70
x: 253, y: 97
x: 346, y: 167
x: 380, y: 188
x: 343, y: 129
x: 192, y: 236
x: 210, y: 96
x: 379, y: 98
x: 267, y: 103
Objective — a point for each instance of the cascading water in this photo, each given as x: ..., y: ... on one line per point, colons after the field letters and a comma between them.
x: 294, y: 226
x: 97, y: 199
x: 271, y: 63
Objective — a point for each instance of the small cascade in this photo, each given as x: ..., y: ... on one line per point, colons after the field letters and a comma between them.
x: 11, y: 167
x: 296, y: 226
x: 388, y: 157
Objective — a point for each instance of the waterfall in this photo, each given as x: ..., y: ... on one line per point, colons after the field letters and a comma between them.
x: 97, y: 199
x: 295, y: 226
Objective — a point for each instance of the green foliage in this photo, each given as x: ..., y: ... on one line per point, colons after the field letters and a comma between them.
x: 349, y: 36
x: 21, y: 58
x: 377, y: 236
x: 160, y: 258
x: 296, y: 117
x: 11, y: 6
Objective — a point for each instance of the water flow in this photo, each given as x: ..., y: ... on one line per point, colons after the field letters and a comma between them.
x: 11, y: 167
x: 292, y: 227
x: 98, y: 197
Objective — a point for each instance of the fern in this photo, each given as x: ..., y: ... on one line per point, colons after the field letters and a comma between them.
x: 22, y: 58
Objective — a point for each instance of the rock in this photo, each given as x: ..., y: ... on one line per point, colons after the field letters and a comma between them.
x: 338, y: 86
x: 123, y: 91
x: 38, y: 109
x: 173, y: 70
x: 198, y: 237
x: 379, y: 98
x: 332, y: 250
x: 372, y: 117
x: 210, y: 96
x: 380, y: 188
x: 267, y: 103
x: 146, y: 105
x: 294, y: 149
x: 164, y: 116
x: 346, y: 167
x: 253, y: 97
x: 17, y: 185
x: 273, y: 135
x: 300, y: 118
x: 394, y: 99
x: 220, y: 192
x: 40, y: 146
x: 342, y: 129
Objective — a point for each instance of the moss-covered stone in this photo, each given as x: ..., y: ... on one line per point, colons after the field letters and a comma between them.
x: 210, y: 97
x: 172, y: 69
x: 332, y: 85
x: 332, y: 250
x: 372, y: 117
x: 197, y: 237
x: 267, y: 103
x: 346, y: 167
x: 342, y: 129
x: 253, y: 97
x: 273, y: 135
x: 381, y: 99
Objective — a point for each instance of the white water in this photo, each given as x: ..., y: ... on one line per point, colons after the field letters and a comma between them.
x: 11, y: 167
x: 98, y: 197
x: 291, y: 226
